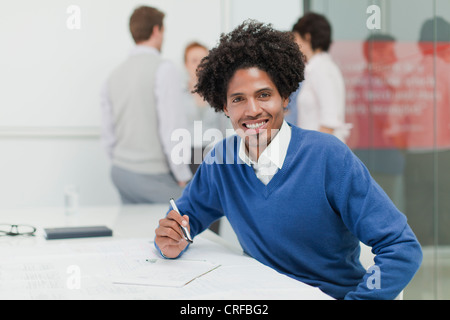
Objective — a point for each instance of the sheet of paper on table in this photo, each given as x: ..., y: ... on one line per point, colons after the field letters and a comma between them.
x: 164, y: 273
x: 94, y: 269
x: 104, y: 268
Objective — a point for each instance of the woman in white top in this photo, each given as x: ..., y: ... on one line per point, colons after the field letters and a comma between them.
x: 321, y: 101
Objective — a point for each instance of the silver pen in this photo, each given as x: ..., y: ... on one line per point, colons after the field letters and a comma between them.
x: 185, y: 230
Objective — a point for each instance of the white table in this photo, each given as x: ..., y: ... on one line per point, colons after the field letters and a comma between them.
x: 36, y: 268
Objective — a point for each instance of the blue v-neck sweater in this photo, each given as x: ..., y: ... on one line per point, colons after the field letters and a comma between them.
x: 308, y: 221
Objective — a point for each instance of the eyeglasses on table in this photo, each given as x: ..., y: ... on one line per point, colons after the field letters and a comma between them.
x: 16, y: 230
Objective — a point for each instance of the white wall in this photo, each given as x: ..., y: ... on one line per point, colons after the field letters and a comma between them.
x: 282, y: 14
x: 35, y: 169
x: 51, y: 76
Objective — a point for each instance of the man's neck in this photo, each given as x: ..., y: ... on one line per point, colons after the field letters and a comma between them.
x: 254, y: 152
x: 149, y: 43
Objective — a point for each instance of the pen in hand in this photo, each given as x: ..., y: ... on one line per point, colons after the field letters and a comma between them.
x: 185, y: 231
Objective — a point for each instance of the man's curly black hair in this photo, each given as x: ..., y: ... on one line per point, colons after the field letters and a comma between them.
x: 251, y: 44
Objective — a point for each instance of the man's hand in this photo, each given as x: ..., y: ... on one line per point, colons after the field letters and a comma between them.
x: 169, y: 237
x: 182, y: 184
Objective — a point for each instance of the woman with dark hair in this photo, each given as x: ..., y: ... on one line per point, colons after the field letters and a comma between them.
x: 321, y: 101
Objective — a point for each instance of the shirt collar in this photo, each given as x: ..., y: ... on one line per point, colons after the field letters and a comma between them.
x: 275, y: 152
x: 139, y: 49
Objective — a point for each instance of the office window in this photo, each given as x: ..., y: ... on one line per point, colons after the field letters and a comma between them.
x: 397, y: 74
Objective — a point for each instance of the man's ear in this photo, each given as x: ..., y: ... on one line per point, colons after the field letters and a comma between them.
x: 307, y: 37
x: 285, y: 102
x: 156, y: 29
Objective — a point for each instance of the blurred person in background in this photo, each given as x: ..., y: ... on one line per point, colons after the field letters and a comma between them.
x: 374, y: 97
x: 200, y: 116
x: 422, y: 129
x: 140, y: 105
x: 321, y: 101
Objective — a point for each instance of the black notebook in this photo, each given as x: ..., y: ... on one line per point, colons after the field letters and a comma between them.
x: 77, y: 232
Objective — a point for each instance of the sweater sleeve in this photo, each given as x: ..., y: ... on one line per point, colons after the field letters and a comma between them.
x: 200, y: 202
x: 200, y: 199
x: 371, y: 216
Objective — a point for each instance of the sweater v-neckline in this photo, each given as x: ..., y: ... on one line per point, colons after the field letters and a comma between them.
x: 266, y: 190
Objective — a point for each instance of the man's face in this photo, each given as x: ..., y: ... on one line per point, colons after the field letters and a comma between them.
x: 255, y: 107
x: 383, y: 53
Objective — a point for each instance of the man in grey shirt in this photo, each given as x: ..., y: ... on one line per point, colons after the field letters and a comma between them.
x: 141, y: 109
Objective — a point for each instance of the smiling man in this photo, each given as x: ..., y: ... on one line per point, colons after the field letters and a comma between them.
x: 298, y: 200
x: 256, y: 111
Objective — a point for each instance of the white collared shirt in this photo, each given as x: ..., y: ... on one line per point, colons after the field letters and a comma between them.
x: 272, y: 158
